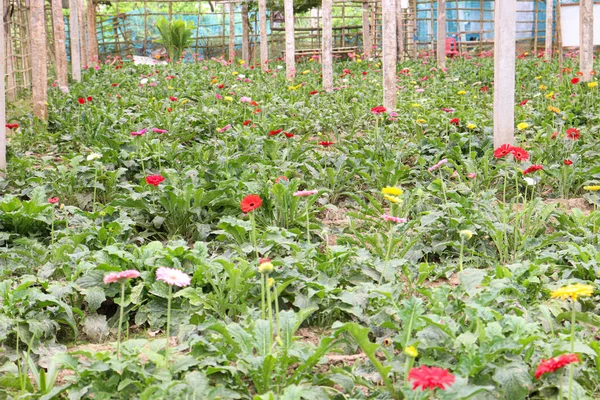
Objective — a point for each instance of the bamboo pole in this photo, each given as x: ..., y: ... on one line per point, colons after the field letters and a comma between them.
x: 245, y: 33
x: 231, y: 32
x: 74, y: 35
x: 2, y: 93
x: 290, y: 44
x: 441, y: 34
x: 327, y: 46
x: 82, y: 32
x: 389, y: 49
x: 38, y: 58
x: 92, y: 39
x: 264, y: 44
x: 60, y: 50
x: 366, y: 30
x: 505, y: 25
x: 549, y: 23
x: 586, y: 35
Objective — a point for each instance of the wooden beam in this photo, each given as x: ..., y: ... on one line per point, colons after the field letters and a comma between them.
x: 366, y: 30
x: 60, y: 49
x: 2, y: 93
x: 39, y: 71
x: 505, y: 25
x: 245, y: 34
x: 389, y: 49
x: 82, y: 33
x: 327, y: 46
x: 441, y: 34
x: 264, y: 44
x: 400, y: 30
x: 549, y: 25
x: 92, y: 39
x: 586, y: 38
x: 290, y: 43
x: 231, y: 32
x: 74, y: 35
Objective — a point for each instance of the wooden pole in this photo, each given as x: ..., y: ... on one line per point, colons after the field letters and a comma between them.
x: 559, y: 42
x: 441, y: 34
x: 327, y: 46
x: 505, y: 27
x: 38, y: 59
x: 536, y: 19
x: 586, y: 35
x: 60, y: 49
x: 82, y: 33
x: 389, y: 48
x: 92, y: 38
x: 264, y: 44
x: 549, y: 23
x: 245, y: 33
x: 231, y: 32
x: 74, y: 35
x: 2, y: 94
x: 366, y: 30
x: 399, y: 30
x: 290, y: 43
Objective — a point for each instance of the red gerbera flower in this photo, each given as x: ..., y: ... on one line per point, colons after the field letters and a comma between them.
x: 533, y: 168
x: 81, y: 100
x: 555, y: 363
x: 573, y: 133
x: 455, y: 121
x: 254, y: 103
x: 114, y: 84
x: 554, y: 135
x: 53, y: 200
x: 430, y: 377
x: 378, y: 110
x: 221, y: 86
x: 503, y: 151
x: 12, y: 126
x: 288, y: 135
x: 247, y: 122
x: 325, y: 143
x: 313, y: 92
x: 520, y: 154
x: 154, y: 180
x: 282, y: 178
x: 250, y: 202
x: 169, y: 109
x: 89, y: 98
x: 256, y: 111
x: 275, y: 132
x: 484, y: 89
x: 524, y: 102
x: 575, y: 81
x: 567, y: 162
x: 364, y: 73
x: 173, y: 98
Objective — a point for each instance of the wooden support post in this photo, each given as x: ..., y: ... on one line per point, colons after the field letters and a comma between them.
x: 441, y: 34
x: 74, y: 35
x: 559, y: 42
x: 586, y: 38
x: 389, y: 49
x: 245, y: 33
x: 290, y: 43
x: 264, y: 44
x: 536, y: 23
x: 366, y: 30
x: 505, y: 27
x: 399, y: 30
x: 92, y: 38
x: 38, y: 58
x: 231, y: 32
x: 2, y: 93
x: 549, y: 23
x: 327, y: 46
x: 60, y: 49
x: 82, y: 32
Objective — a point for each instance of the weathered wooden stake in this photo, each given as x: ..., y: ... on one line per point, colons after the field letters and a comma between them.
x: 264, y: 44
x: 2, y: 93
x: 82, y: 33
x: 390, y: 48
x: 586, y: 38
x: 327, y: 46
x: 38, y: 60
x: 60, y: 50
x: 441, y: 34
x: 92, y: 38
x: 400, y: 30
x: 231, y: 32
x: 245, y: 33
x: 290, y: 43
x: 505, y: 27
x: 74, y: 35
x: 549, y: 25
x: 366, y: 30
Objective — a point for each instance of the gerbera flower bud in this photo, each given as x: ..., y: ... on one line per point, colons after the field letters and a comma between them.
x: 265, y: 268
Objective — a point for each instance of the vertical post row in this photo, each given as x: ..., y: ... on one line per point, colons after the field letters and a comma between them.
x: 505, y: 27
x: 400, y: 30
x: 586, y: 38
x: 441, y: 34
x: 389, y: 48
x: 327, y: 46
x: 290, y: 44
x: 2, y: 93
x: 92, y: 38
x: 60, y: 50
x: 264, y: 45
x: 549, y: 26
x: 231, y: 32
x: 245, y: 33
x: 38, y: 60
x: 366, y: 30
x: 74, y: 35
x: 82, y: 33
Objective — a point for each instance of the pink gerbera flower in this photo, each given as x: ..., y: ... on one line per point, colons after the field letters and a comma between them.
x: 304, y: 193
x: 116, y: 276
x: 172, y: 276
x: 397, y: 220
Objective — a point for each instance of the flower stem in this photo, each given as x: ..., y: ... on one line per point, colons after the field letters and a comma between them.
x: 571, y: 366
x: 277, y: 320
x: 307, y: 224
x: 270, y: 311
x: 253, y: 222
x: 121, y: 306
x: 462, y: 247
x: 262, y: 296
x: 95, y: 189
x: 388, y: 253
x: 168, y: 325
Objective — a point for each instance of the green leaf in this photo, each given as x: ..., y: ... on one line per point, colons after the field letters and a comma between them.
x: 514, y: 380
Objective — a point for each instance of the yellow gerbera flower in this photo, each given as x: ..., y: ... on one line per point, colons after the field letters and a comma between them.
x: 392, y: 191
x: 550, y: 95
x: 471, y: 126
x: 234, y: 73
x: 461, y: 92
x: 306, y: 72
x: 184, y: 101
x: 537, y: 78
x: 393, y: 199
x: 416, y: 105
x: 573, y: 291
x: 543, y: 87
x: 554, y: 109
x: 592, y: 84
x: 594, y: 188
x: 523, y: 125
x: 228, y: 98
x: 214, y: 81
x: 242, y: 62
x: 411, y: 351
x: 421, y: 121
